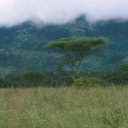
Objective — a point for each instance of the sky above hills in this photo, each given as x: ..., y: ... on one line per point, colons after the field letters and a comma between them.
x: 13, y: 12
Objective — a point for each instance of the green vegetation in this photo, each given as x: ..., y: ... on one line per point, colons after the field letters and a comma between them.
x: 117, y: 76
x: 64, y: 107
x: 21, y: 46
x: 87, y: 78
x: 38, y: 94
x: 34, y: 77
x: 75, y: 50
x: 89, y: 82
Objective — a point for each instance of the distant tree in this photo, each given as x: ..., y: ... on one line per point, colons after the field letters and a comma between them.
x: 33, y: 76
x: 117, y: 76
x: 76, y: 49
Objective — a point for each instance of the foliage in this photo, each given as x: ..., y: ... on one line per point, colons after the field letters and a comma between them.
x: 63, y: 80
x: 88, y: 82
x: 21, y: 45
x: 35, y: 78
x: 32, y: 76
x: 117, y: 76
x: 11, y: 80
x: 75, y: 49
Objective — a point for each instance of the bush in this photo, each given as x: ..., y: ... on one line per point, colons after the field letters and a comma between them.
x: 63, y: 80
x: 33, y: 76
x: 88, y: 82
x: 10, y: 80
x: 117, y: 76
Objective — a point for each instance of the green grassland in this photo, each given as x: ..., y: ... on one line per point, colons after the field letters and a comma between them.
x: 97, y: 107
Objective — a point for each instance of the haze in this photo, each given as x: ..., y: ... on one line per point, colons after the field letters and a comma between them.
x: 14, y: 12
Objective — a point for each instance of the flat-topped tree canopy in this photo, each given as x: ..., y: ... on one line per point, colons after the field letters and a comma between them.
x: 76, y: 44
x: 80, y: 45
x: 75, y: 49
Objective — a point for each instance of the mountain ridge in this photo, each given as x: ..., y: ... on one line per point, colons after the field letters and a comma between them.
x: 21, y: 47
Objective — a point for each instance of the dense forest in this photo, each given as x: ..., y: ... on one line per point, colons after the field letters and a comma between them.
x: 22, y: 48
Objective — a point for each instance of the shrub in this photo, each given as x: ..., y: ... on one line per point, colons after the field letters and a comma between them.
x: 33, y: 76
x: 117, y: 76
x: 88, y: 82
x: 10, y: 80
x: 64, y: 80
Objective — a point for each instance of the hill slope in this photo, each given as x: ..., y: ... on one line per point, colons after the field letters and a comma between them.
x: 21, y: 47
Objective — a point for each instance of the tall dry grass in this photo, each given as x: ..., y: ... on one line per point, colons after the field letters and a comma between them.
x: 64, y: 107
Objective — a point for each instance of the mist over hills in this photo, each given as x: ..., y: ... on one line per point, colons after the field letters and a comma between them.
x: 21, y: 47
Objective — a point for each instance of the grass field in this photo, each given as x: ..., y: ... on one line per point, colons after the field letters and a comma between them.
x: 64, y: 108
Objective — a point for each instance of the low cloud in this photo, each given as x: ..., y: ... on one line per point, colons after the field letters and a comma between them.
x: 13, y: 12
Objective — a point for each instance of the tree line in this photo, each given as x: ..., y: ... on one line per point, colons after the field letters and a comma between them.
x: 68, y: 71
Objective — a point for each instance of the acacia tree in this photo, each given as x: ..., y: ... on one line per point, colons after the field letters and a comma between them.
x: 76, y: 49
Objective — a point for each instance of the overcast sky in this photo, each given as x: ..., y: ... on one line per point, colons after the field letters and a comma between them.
x: 13, y: 12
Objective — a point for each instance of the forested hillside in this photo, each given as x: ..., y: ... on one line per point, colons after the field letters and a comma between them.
x: 21, y: 47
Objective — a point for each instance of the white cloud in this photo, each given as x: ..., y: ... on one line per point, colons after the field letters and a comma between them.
x: 14, y: 12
